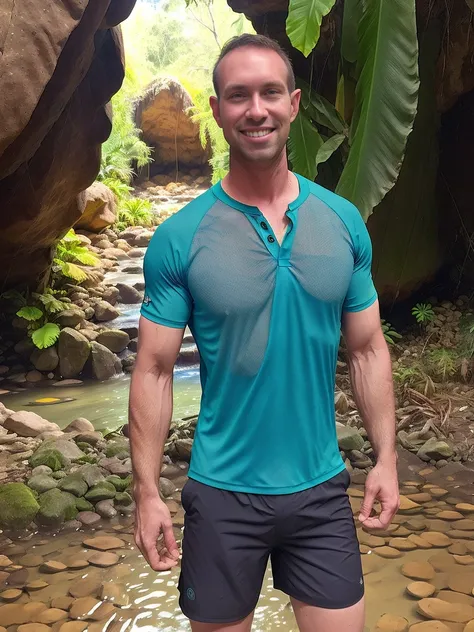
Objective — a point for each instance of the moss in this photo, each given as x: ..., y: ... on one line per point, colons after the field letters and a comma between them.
x: 123, y: 498
x: 56, y: 507
x: 74, y: 484
x: 118, y: 447
x: 87, y: 459
x: 84, y: 505
x: 18, y: 506
x: 52, y: 458
x: 101, y: 491
x: 120, y: 484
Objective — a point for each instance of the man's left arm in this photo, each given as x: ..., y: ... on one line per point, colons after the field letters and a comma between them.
x: 371, y: 377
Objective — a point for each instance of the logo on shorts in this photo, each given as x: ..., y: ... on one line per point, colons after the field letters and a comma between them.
x: 146, y: 300
x: 190, y: 594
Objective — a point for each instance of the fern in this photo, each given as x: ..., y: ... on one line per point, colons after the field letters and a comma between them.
x: 443, y: 363
x: 424, y: 313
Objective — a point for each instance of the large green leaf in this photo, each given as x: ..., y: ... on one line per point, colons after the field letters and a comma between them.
x: 29, y: 313
x: 349, y: 40
x: 386, y: 101
x: 46, y: 336
x: 304, y: 143
x: 71, y: 270
x: 320, y: 109
x: 328, y: 148
x: 304, y: 21
x: 52, y: 304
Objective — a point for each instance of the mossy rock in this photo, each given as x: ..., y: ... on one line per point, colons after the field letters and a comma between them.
x: 87, y: 459
x: 119, y: 447
x: 84, y: 505
x: 124, y: 499
x: 59, y: 475
x: 74, y: 484
x: 83, y: 445
x: 101, y: 491
x: 18, y: 506
x: 52, y: 458
x: 120, y: 484
x: 56, y: 507
x: 42, y: 483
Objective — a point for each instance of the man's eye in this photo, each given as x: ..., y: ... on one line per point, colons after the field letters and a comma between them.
x: 237, y: 95
x: 273, y: 92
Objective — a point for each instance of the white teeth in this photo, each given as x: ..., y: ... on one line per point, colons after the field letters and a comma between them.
x: 259, y: 133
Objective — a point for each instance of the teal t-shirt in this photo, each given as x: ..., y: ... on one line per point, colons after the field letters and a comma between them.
x: 266, y: 319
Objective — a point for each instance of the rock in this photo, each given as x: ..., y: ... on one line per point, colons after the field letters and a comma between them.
x: 84, y: 505
x: 82, y: 607
x: 31, y: 560
x: 41, y: 469
x: 77, y: 564
x: 92, y: 474
x: 391, y: 623
x: 34, y: 627
x: 51, y: 458
x: 419, y: 542
x: 418, y: 570
x: 436, y: 539
x: 28, y: 424
x: 123, y: 499
x: 430, y: 626
x: 106, y: 509
x: 104, y: 559
x: 5, y: 561
x: 56, y: 507
x: 12, y: 594
x: 104, y: 311
x: 103, y: 543
x: 73, y: 350
x: 104, y: 362
x: 37, y: 584
x: 63, y: 602
x: 53, y: 567
x: 14, y: 614
x: 465, y: 508
x: 437, y: 609
x: 51, y: 615
x: 18, y: 506
x: 461, y: 582
x: 449, y: 515
x: 114, y: 339
x: 387, y: 552
x: 464, y: 560
x: 120, y: 484
x: 88, y: 518
x: 111, y: 294
x: 74, y: 626
x: 90, y: 438
x: 34, y: 376
x: 42, y: 483
x: 71, y: 317
x: 402, y: 544
x: 100, y: 208
x: 74, y: 484
x: 117, y: 447
x: 407, y: 505
x: 435, y: 449
x: 85, y: 587
x: 348, y: 438
x: 438, y: 492
x: 66, y: 447
x: 81, y: 424
x: 101, y: 491
x: 133, y: 269
x: 116, y: 593
x: 184, y: 448
x: 167, y: 488
x: 129, y: 294
x: 421, y: 590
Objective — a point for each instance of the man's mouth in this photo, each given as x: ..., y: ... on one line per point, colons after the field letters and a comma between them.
x: 258, y: 133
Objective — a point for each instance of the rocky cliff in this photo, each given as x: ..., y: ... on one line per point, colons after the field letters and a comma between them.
x: 61, y: 63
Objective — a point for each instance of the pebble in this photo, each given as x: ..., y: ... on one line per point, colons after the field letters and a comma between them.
x: 442, y: 610
x: 455, y: 597
x: 464, y: 560
x: 430, y: 626
x: 63, y: 602
x: 52, y: 567
x: 51, y: 615
x: 439, y: 525
x: 12, y: 594
x: 418, y: 570
x: 103, y: 559
x: 34, y: 627
x: 436, y: 539
x: 469, y: 627
x: 402, y: 544
x: 77, y: 563
x: 5, y: 561
x: 421, y: 590
x: 442, y: 562
x: 73, y: 626
x: 104, y: 543
x: 449, y: 515
x: 419, y: 542
x: 416, y: 524
x: 104, y: 611
x: 458, y: 549
x: 466, y: 524
x: 88, y: 518
x: 116, y: 593
x: 391, y: 623
x: 461, y: 582
x: 387, y: 552
x: 458, y: 534
x: 82, y: 607
x: 407, y: 505
x: 465, y: 508
x: 37, y: 584
x: 31, y: 560
x: 85, y: 587
x: 420, y: 497
x: 371, y: 541
x: 438, y: 492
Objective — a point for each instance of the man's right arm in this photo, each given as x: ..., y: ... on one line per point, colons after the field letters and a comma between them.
x: 150, y: 412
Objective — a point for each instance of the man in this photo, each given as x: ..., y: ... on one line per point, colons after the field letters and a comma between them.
x: 263, y: 267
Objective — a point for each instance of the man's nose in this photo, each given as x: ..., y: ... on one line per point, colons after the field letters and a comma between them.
x: 256, y: 110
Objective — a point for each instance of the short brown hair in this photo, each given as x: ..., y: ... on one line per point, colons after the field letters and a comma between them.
x: 257, y: 41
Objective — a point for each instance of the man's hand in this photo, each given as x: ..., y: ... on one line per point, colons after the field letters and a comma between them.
x: 153, y: 519
x: 381, y: 484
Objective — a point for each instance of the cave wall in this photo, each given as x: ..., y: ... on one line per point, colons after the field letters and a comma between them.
x: 61, y: 64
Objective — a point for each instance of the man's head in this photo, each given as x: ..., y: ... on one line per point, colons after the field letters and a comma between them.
x: 256, y: 98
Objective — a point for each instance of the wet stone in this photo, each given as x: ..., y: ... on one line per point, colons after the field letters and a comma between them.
x: 455, y: 597
x: 442, y: 562
x: 37, y: 584
x: 52, y: 567
x: 73, y: 626
x: 416, y: 524
x: 418, y: 570
x: 18, y: 578
x: 438, y: 492
x: 103, y: 559
x: 34, y: 627
x: 433, y: 608
x: 31, y: 560
x: 104, y: 543
x: 63, y: 603
x: 466, y: 524
x: 104, y: 611
x: 430, y: 626
x: 420, y: 497
x: 439, y: 525
x: 52, y: 615
x: 116, y: 593
x: 407, y: 505
x: 458, y: 534
x: 77, y: 563
x: 387, y: 552
x: 465, y: 508
x: 85, y: 587
x: 12, y: 594
x: 421, y: 590
x: 371, y: 541
x: 391, y: 623
x: 5, y: 561
x: 449, y: 515
x: 81, y: 608
x: 461, y: 582
x: 464, y: 560
x: 419, y: 542
x: 88, y: 518
x: 436, y: 539
x: 458, y: 549
x: 402, y: 544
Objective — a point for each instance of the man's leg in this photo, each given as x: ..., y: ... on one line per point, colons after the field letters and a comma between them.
x: 312, y: 619
x: 240, y: 626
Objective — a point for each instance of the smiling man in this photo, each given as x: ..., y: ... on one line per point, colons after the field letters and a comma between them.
x: 265, y: 268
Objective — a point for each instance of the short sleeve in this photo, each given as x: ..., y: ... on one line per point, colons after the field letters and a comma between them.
x: 361, y: 293
x: 167, y: 300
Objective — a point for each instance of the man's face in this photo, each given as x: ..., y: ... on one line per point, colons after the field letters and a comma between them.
x: 255, y: 108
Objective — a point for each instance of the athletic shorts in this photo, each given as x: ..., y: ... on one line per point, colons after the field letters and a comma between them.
x: 309, y: 536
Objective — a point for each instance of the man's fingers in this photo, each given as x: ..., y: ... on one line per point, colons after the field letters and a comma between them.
x: 367, y: 504
x: 170, y: 540
x: 151, y: 554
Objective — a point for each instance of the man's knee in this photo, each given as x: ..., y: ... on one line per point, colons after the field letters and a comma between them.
x: 239, y: 626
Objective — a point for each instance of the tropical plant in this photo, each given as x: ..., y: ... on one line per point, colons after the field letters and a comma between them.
x: 443, y: 363
x: 134, y: 212
x: 389, y: 333
x: 70, y: 255
x: 466, y: 334
x: 423, y: 313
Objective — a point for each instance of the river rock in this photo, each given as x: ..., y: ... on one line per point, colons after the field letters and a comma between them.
x: 465, y: 508
x: 348, y: 438
x: 106, y: 509
x: 449, y: 515
x: 114, y: 339
x: 74, y: 626
x: 81, y: 424
x: 51, y: 615
x: 104, y: 543
x: 14, y: 614
x: 469, y: 627
x: 167, y: 488
x: 129, y: 294
x: 104, y: 363
x: 104, y: 311
x: 104, y: 559
x: 66, y: 447
x: 28, y: 424
x: 111, y: 294
x: 101, y: 491
x: 391, y: 623
x: 74, y: 484
x: 55, y: 508
x: 51, y: 458
x: 464, y: 560
x: 82, y: 607
x: 430, y: 626
x: 421, y: 590
x: 436, y: 539
x: 71, y: 317
x: 51, y: 567
x: 92, y: 474
x: 74, y: 350
x: 461, y: 582
x: 419, y: 542
x: 42, y: 483
x: 123, y: 499
x: 31, y: 560
x: 84, y: 505
x: 119, y: 447
x: 120, y: 484
x: 18, y: 506
x: 387, y: 552
x: 435, y: 449
x: 91, y: 438
x: 11, y: 594
x: 418, y: 570
x: 100, y: 208
x: 41, y: 469
x: 116, y: 593
x: 37, y: 584
x: 402, y: 544
x: 433, y: 608
x: 88, y: 518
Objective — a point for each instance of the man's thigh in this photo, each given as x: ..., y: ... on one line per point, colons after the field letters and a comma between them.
x: 225, y: 553
x: 317, y: 559
x: 312, y: 619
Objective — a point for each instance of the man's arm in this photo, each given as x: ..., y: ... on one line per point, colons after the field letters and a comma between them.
x: 150, y: 411
x: 371, y: 376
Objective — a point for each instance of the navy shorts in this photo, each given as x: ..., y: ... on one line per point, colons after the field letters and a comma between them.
x: 309, y: 536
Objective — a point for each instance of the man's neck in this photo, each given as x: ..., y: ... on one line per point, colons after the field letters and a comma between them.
x: 255, y: 184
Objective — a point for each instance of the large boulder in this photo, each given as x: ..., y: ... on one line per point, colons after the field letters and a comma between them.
x: 74, y: 349
x: 45, y: 359
x: 28, y: 424
x: 81, y: 424
x: 100, y: 208
x: 105, y: 311
x: 18, y: 506
x: 114, y: 339
x: 129, y: 294
x: 55, y: 507
x: 435, y: 449
x: 348, y: 438
x: 61, y: 64
x: 68, y: 449
x: 104, y: 363
x: 163, y: 116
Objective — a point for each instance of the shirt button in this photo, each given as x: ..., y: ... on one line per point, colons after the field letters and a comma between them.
x: 264, y: 225
x: 270, y: 239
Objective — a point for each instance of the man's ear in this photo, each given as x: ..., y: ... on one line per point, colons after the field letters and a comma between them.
x: 295, y: 97
x: 214, y: 103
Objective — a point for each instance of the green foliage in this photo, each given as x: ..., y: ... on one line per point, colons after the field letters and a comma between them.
x: 389, y: 333
x: 407, y: 375
x: 423, y: 312
x: 118, y: 188
x: 304, y: 143
x: 386, y: 101
x: 443, y: 363
x: 29, y: 313
x: 46, y: 335
x: 466, y: 335
x: 70, y: 255
x: 134, y: 212
x: 304, y: 22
